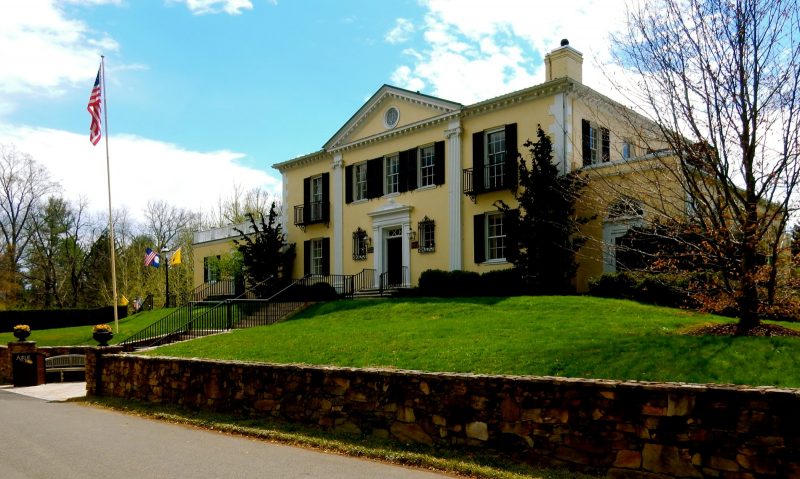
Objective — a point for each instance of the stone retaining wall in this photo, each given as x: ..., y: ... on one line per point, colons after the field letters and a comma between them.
x: 623, y: 429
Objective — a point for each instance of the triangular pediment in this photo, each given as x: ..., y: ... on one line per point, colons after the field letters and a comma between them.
x: 375, y: 117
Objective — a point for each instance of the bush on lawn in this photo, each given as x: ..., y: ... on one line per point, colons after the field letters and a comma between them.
x: 662, y: 290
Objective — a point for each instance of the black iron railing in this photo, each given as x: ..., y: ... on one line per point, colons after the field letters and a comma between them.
x: 312, y: 212
x: 193, y: 320
x: 202, y: 318
x: 216, y: 289
x: 364, y: 280
x: 393, y: 279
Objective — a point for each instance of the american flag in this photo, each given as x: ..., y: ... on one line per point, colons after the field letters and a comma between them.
x: 151, y: 258
x: 94, y: 110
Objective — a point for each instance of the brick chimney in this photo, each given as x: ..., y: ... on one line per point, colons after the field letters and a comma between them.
x: 564, y: 61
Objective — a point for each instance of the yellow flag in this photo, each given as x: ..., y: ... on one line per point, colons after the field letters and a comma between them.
x: 123, y: 301
x: 176, y: 258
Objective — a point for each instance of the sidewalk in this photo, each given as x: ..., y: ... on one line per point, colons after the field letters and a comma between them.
x: 50, y: 391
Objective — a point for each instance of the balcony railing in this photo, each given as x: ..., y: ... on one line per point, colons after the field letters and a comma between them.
x: 495, y: 177
x: 310, y: 213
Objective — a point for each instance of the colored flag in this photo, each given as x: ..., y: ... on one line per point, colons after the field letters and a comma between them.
x: 151, y: 258
x: 176, y: 258
x: 94, y: 110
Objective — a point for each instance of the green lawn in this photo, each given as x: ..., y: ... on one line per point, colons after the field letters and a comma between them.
x: 558, y: 336
x: 82, y: 335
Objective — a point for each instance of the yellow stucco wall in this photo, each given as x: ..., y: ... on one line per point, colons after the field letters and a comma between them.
x: 204, y: 250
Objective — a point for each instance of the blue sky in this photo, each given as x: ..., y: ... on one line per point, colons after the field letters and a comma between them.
x: 210, y: 93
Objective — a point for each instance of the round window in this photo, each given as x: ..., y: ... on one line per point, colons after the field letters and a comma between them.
x: 391, y: 117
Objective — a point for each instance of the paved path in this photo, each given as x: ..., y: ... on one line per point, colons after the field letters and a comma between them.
x: 44, y: 439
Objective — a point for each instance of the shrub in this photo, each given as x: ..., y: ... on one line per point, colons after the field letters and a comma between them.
x: 661, y: 289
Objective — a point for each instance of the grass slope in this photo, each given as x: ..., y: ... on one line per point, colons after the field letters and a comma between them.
x: 82, y: 335
x: 558, y: 336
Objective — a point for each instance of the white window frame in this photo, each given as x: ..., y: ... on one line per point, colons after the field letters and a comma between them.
x: 391, y: 174
x: 360, y: 181
x: 495, y: 252
x: 426, y: 166
x: 594, y: 146
x: 316, y: 198
x: 494, y: 159
x: 317, y: 256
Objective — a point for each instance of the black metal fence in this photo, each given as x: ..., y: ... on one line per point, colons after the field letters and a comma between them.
x: 202, y: 318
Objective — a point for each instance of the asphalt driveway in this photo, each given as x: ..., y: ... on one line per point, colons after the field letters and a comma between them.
x: 47, y: 439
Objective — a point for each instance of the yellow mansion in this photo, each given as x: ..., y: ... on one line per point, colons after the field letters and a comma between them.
x: 409, y: 182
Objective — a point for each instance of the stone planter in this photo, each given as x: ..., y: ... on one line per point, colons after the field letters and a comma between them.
x: 102, y: 337
x: 21, y: 335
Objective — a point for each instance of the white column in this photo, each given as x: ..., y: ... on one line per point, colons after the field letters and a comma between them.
x: 454, y: 189
x: 337, y: 200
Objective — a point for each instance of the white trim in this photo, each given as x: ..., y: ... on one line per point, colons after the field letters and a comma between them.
x: 391, y: 215
x: 336, y: 198
x: 453, y: 157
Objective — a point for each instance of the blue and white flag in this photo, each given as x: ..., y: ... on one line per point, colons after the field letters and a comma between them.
x: 151, y: 258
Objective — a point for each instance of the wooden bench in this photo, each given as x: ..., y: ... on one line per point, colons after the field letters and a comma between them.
x: 65, y: 363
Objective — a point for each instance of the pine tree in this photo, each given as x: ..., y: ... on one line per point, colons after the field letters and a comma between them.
x: 543, y: 232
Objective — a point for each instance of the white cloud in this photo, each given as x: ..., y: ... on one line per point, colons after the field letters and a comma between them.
x: 231, y: 7
x: 141, y: 170
x: 477, y: 50
x: 401, y: 32
x: 48, y: 51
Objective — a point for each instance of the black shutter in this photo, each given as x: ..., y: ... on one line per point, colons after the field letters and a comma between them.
x: 587, y: 153
x: 348, y: 184
x: 306, y: 257
x: 326, y: 256
x: 438, y: 158
x: 306, y: 200
x: 411, y: 169
x: 402, y: 172
x: 606, y: 151
x: 477, y: 162
x: 478, y: 233
x: 375, y: 178
x: 511, y: 172
x: 326, y: 197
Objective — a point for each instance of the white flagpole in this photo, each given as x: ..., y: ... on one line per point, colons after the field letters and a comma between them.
x: 111, y: 241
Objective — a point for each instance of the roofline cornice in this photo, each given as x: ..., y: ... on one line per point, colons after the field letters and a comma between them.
x: 387, y: 91
x: 396, y: 132
x: 301, y: 161
x: 559, y: 85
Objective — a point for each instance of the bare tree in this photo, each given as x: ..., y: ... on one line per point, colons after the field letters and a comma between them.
x: 163, y: 222
x: 23, y: 184
x: 235, y: 208
x: 720, y: 78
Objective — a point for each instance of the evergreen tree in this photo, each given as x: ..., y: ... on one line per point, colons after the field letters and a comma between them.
x: 265, y: 252
x: 544, y: 233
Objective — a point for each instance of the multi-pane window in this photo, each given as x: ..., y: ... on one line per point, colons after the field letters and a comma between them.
x: 211, y: 269
x: 360, y: 182
x: 316, y: 256
x: 594, y: 156
x: 495, y: 237
x: 392, y: 177
x: 495, y: 159
x: 427, y: 236
x: 359, y: 244
x: 596, y: 143
x: 316, y: 198
x: 427, y: 161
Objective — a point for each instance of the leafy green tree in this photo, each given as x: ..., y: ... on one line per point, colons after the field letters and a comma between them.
x: 265, y: 252
x: 544, y: 232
